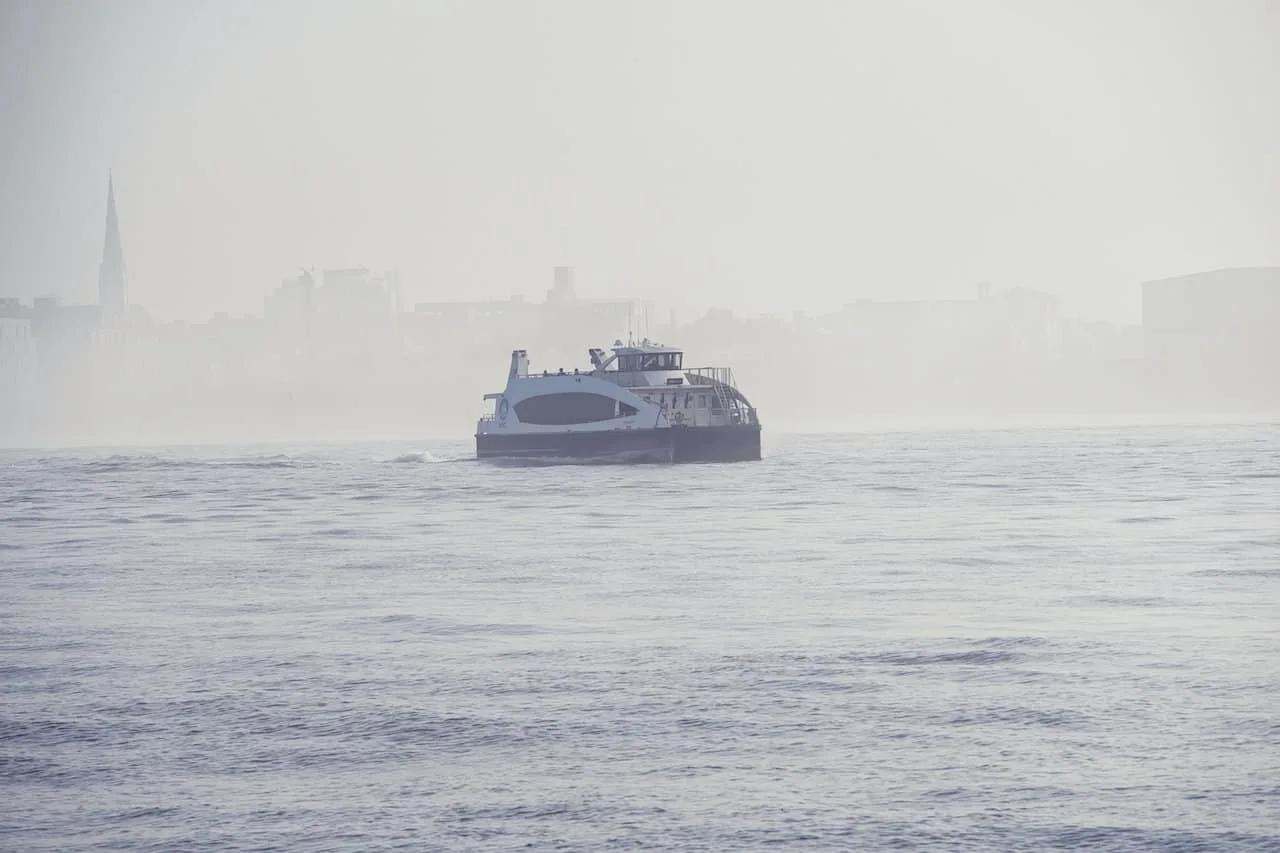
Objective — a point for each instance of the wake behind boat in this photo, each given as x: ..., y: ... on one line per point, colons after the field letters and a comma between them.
x: 639, y: 404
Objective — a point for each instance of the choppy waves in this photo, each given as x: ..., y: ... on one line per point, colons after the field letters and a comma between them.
x: 845, y: 646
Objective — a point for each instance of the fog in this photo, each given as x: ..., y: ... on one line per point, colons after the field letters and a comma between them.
x: 337, y: 219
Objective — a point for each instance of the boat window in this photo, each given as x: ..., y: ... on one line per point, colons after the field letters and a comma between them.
x: 688, y: 400
x: 660, y: 361
x: 627, y: 363
x: 561, y: 409
x: 702, y: 401
x: 625, y: 411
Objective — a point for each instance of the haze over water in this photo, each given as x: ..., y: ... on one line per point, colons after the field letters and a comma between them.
x: 311, y: 219
x: 975, y: 640
x: 227, y: 224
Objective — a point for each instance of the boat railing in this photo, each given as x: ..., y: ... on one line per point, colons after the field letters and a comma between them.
x: 551, y: 374
x: 711, y: 376
x: 726, y: 401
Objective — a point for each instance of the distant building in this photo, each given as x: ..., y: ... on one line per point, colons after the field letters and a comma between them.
x: 352, y: 305
x: 562, y: 290
x: 579, y: 321
x: 113, y: 280
x: 288, y: 311
x: 17, y: 347
x: 1013, y: 323
x: 485, y: 309
x: 64, y: 336
x: 1220, y: 328
x: 562, y: 318
x: 347, y: 295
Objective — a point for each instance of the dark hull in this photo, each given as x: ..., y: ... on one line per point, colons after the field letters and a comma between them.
x: 674, y: 444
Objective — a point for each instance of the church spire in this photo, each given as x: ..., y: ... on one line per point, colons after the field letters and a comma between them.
x: 113, y: 289
x: 112, y: 250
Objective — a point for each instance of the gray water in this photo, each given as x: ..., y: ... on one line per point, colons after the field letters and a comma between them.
x: 1035, y: 640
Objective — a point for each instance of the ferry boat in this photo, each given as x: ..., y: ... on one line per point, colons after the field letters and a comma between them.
x: 638, y: 404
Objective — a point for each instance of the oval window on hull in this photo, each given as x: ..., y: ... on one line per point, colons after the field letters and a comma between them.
x: 564, y: 409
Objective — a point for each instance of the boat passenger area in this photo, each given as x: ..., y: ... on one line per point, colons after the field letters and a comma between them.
x: 693, y: 397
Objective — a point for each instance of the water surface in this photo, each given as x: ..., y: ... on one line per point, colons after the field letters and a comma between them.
x: 986, y: 640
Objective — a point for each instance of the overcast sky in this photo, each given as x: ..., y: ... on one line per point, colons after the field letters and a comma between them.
x: 762, y: 156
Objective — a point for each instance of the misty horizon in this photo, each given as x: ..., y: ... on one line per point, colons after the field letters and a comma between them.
x: 713, y: 155
x: 867, y: 418
x: 330, y: 219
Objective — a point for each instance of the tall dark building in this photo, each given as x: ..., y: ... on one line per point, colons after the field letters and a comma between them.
x: 113, y: 281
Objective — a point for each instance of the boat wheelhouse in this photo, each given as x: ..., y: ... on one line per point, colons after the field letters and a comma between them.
x: 637, y: 404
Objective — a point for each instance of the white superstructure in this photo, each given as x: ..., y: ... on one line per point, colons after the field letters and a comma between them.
x: 643, y: 388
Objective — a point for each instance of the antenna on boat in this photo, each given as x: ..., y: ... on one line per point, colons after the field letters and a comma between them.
x: 631, y: 310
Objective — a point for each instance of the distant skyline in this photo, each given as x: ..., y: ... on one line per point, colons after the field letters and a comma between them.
x: 758, y: 156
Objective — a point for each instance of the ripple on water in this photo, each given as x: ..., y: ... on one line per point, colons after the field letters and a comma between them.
x: 1022, y: 641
